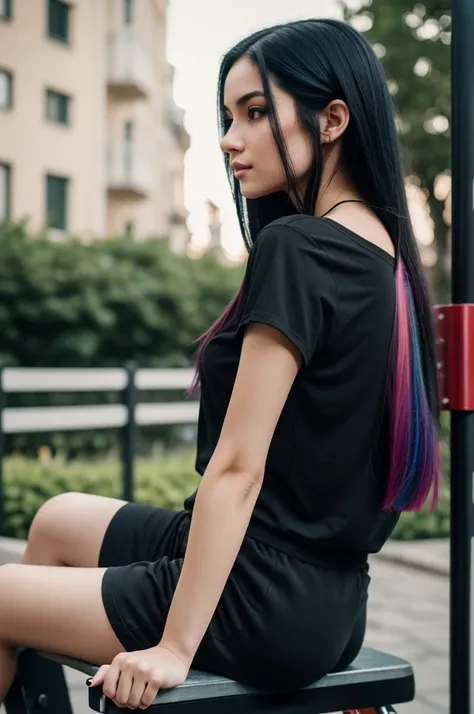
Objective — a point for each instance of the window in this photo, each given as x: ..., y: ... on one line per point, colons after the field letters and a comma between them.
x: 56, y: 202
x: 5, y: 192
x: 128, y: 12
x: 57, y: 107
x: 6, y: 9
x: 58, y: 20
x: 6, y: 89
x: 128, y: 145
x: 129, y: 229
x: 128, y: 132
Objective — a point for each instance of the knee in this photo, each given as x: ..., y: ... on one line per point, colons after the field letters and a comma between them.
x: 8, y: 572
x: 53, y: 514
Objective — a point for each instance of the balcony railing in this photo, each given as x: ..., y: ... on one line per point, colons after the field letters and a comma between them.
x: 176, y: 118
x: 129, y: 69
x: 129, y: 169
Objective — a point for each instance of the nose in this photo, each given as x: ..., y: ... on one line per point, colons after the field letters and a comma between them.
x: 232, y: 142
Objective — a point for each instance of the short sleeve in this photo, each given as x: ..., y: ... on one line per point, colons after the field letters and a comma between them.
x: 289, y: 285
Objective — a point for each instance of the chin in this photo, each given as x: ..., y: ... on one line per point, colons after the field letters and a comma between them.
x: 250, y: 191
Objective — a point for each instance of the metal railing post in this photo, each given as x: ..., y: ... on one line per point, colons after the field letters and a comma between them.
x: 129, y: 433
x: 462, y: 421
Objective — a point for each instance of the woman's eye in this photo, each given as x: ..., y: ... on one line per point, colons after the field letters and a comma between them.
x: 256, y: 113
x: 227, y: 124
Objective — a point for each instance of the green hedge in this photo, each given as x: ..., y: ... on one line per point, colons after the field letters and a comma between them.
x: 100, y: 304
x: 164, y: 481
x: 424, y: 524
x: 75, y: 304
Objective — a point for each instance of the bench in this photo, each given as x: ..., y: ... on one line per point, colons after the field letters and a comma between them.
x: 374, y: 681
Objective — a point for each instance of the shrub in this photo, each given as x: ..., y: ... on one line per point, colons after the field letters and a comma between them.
x: 164, y: 481
x: 414, y: 526
x: 100, y: 304
x: 74, y: 304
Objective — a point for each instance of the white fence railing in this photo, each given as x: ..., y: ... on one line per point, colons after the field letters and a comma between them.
x: 127, y: 414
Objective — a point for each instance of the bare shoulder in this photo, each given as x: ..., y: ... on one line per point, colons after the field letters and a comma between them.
x: 361, y: 220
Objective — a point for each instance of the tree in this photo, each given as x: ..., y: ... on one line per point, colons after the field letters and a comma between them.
x: 412, y: 41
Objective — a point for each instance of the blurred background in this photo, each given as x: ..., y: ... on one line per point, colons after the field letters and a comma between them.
x: 119, y: 240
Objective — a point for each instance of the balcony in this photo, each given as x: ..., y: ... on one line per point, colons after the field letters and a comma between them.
x: 129, y: 171
x: 129, y: 69
x: 176, y: 119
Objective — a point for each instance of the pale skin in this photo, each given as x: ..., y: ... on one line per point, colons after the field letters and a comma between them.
x: 48, y: 606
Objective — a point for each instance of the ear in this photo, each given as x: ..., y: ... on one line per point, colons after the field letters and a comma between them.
x: 334, y: 120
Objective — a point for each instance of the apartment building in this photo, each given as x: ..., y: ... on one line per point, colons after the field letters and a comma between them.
x: 91, y: 142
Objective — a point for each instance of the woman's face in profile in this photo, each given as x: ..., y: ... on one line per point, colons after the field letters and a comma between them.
x: 249, y: 139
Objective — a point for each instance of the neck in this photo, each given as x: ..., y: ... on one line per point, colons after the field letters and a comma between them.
x: 334, y: 189
x: 335, y: 184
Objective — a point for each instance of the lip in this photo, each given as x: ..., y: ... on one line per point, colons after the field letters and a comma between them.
x: 239, y: 173
x: 240, y: 169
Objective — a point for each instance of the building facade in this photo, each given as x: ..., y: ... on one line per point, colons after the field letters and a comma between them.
x: 91, y: 142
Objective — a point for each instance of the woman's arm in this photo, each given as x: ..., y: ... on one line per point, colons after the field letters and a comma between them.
x: 230, y: 486
x: 222, y: 511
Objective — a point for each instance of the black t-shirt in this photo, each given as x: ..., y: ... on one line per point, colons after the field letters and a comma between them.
x: 332, y: 293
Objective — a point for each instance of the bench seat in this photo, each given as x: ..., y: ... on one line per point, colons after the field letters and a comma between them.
x: 375, y: 679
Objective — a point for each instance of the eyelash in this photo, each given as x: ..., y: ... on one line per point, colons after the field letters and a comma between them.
x: 260, y: 110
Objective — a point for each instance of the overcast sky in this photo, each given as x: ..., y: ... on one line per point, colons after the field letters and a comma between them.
x: 198, y: 35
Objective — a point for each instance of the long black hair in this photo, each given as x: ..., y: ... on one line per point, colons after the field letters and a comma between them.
x: 317, y: 61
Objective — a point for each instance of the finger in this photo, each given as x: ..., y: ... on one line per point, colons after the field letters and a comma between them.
x: 138, y: 688
x: 150, y: 692
x: 99, y: 676
x: 112, y: 677
x: 124, y: 687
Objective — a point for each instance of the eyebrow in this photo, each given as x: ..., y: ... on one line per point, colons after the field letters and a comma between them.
x: 245, y: 97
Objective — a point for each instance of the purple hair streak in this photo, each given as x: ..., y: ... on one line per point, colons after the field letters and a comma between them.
x: 218, y: 326
x: 415, y: 461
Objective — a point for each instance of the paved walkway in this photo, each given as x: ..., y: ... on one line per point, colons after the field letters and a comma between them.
x: 431, y: 556
x: 408, y: 617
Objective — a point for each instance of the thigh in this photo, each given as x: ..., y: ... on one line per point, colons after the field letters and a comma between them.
x: 72, y: 526
x: 57, y: 610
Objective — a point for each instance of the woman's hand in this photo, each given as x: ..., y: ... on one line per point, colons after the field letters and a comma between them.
x: 134, y: 678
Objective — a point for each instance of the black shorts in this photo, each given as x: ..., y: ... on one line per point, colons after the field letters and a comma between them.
x: 280, y: 623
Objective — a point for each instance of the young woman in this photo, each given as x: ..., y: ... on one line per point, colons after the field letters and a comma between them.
x: 318, y: 419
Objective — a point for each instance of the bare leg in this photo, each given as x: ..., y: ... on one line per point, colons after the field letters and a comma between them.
x: 56, y: 610
x: 67, y: 531
x: 35, y: 556
x: 8, y: 656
